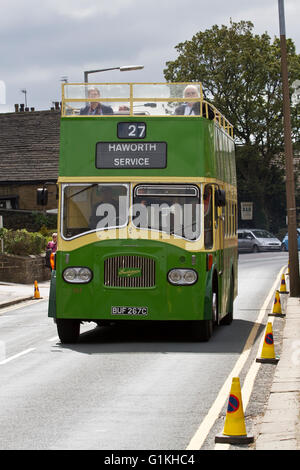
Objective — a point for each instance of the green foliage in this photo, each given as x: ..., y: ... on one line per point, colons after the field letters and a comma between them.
x: 22, y: 242
x: 241, y: 73
x: 241, y: 76
x: 44, y: 220
x: 269, y: 198
x: 47, y: 232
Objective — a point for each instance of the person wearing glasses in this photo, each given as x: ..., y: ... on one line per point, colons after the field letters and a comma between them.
x: 95, y: 107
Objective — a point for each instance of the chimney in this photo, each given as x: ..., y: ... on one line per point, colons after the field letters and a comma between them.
x: 16, y: 108
x: 56, y: 104
x: 22, y: 108
x: 32, y: 109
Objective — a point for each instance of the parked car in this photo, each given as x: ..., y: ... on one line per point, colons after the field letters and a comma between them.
x: 257, y: 240
x: 285, y: 241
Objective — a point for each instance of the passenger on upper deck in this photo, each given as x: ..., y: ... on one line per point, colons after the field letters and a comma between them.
x: 193, y: 108
x: 95, y: 107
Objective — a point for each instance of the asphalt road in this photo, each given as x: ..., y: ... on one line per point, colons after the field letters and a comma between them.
x: 123, y: 389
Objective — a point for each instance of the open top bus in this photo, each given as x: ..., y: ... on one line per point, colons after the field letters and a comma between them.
x: 147, y: 209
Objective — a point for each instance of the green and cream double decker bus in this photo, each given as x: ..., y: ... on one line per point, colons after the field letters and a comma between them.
x: 147, y: 209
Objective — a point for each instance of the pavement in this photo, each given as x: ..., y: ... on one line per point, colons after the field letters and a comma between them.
x: 279, y: 428
x: 280, y: 425
x: 11, y: 294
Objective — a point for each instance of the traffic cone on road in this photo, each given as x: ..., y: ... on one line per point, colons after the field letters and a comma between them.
x: 36, y: 291
x: 277, y: 312
x: 282, y: 289
x: 268, y: 352
x: 234, y: 431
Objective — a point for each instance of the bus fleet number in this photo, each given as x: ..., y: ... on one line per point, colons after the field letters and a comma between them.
x: 131, y: 130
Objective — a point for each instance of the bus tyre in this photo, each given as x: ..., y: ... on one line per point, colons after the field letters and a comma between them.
x: 68, y: 330
x: 227, y: 320
x: 202, y: 330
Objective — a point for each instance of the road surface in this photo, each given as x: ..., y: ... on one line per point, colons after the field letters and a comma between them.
x: 124, y: 389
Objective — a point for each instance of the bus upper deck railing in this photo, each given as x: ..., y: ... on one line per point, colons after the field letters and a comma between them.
x: 139, y: 99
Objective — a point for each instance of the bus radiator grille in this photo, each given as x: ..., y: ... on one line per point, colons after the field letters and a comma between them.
x: 145, y: 277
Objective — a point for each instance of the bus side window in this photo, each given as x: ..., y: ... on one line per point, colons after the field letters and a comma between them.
x: 208, y: 217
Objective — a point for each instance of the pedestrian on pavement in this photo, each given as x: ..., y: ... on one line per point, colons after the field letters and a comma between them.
x: 53, y: 244
x: 50, y: 251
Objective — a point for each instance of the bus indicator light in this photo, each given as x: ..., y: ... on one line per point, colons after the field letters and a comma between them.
x: 209, y: 261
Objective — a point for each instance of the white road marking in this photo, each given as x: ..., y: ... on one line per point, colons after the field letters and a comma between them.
x: 2, y: 350
x: 213, y: 414
x: 55, y: 338
x: 11, y: 358
x: 23, y: 304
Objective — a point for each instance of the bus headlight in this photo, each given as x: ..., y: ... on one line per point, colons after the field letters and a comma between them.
x: 85, y: 275
x: 190, y: 277
x: 182, y: 277
x: 174, y: 276
x: 69, y: 274
x: 77, y: 275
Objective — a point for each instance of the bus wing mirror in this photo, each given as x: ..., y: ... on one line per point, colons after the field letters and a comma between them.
x: 220, y: 198
x: 42, y: 196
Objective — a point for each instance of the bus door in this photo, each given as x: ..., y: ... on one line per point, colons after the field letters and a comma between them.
x: 220, y: 231
x: 214, y: 233
x: 221, y: 228
x: 208, y: 217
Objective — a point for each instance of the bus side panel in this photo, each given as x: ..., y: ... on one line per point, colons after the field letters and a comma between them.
x: 52, y: 296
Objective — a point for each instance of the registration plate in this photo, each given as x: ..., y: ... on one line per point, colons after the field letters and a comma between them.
x: 129, y: 311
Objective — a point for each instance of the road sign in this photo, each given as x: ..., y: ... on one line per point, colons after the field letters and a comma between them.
x: 246, y: 210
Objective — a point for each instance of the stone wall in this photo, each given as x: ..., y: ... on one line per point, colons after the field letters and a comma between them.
x: 23, y: 269
x: 25, y: 195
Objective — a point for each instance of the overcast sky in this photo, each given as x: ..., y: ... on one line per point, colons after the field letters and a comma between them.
x: 42, y: 41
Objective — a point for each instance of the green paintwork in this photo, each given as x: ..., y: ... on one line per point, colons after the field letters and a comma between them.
x: 196, y: 147
x: 164, y: 301
x: 52, y: 296
x: 191, y: 144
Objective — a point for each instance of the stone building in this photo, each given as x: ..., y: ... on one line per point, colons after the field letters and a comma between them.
x: 29, y: 153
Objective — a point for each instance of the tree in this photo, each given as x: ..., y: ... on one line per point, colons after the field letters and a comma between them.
x: 241, y: 75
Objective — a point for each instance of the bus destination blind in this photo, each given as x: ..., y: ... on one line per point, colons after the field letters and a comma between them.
x: 124, y: 155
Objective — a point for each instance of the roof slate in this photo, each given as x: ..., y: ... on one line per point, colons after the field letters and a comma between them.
x: 29, y: 146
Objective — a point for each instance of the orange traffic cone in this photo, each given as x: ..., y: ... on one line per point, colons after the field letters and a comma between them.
x: 268, y: 352
x: 234, y: 431
x: 282, y: 289
x: 277, y: 312
x: 36, y: 291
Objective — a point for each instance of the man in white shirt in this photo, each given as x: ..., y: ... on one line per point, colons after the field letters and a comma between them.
x: 193, y: 108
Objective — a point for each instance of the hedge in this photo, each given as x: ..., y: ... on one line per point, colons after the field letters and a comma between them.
x: 22, y: 242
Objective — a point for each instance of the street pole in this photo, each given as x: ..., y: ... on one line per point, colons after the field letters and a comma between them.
x: 123, y: 68
x: 87, y: 72
x: 289, y: 165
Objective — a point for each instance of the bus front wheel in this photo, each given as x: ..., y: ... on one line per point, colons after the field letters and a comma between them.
x: 202, y: 330
x: 68, y: 330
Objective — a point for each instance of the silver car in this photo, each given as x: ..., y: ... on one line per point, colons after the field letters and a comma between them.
x: 255, y: 240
